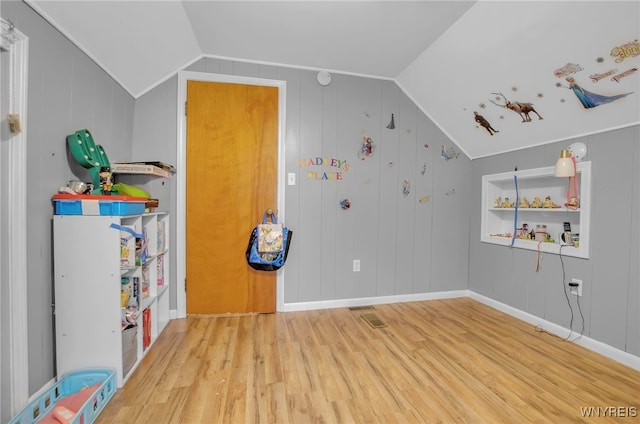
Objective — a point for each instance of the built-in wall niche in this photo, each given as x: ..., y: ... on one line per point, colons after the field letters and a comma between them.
x: 501, y: 219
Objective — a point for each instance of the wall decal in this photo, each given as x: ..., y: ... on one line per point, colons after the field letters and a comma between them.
x: 406, y: 187
x: 521, y: 108
x: 366, y: 114
x: 424, y: 199
x: 345, y: 204
x: 367, y: 148
x: 424, y: 168
x: 426, y: 146
x: 392, y: 124
x: 342, y: 165
x: 451, y: 192
x: 626, y: 73
x: 450, y: 153
x: 589, y: 99
x: 568, y: 69
x: 597, y: 77
x: 333, y: 176
x: 630, y: 49
x: 390, y: 165
x: 484, y: 123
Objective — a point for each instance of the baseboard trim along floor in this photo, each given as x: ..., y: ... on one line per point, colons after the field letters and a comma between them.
x: 610, y: 352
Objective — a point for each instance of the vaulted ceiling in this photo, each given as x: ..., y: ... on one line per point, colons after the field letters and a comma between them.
x: 453, y: 58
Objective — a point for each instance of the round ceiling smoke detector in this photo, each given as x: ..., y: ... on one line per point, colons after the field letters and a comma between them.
x: 324, y: 78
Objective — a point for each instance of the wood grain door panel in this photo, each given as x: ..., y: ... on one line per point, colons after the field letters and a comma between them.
x: 232, y: 164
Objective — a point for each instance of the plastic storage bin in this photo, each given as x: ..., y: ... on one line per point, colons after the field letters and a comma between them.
x: 129, y: 349
x: 69, y: 204
x: 71, y: 384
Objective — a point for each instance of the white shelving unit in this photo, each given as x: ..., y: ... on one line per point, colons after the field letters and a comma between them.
x: 90, y: 267
x: 497, y: 223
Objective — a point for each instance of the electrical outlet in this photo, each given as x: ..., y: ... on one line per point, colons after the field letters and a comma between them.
x: 356, y: 265
x: 576, y: 290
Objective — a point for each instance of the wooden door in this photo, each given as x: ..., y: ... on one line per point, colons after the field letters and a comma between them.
x: 232, y: 165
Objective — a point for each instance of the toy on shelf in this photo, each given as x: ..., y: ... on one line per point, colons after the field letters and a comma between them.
x: 548, y: 203
x: 92, y: 157
x: 498, y: 202
x: 573, y: 203
x: 536, y: 202
x: 524, y: 203
x: 506, y: 203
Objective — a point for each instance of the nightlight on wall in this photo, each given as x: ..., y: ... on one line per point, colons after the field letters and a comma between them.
x: 566, y: 166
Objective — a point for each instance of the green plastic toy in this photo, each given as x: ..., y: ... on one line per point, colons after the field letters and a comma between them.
x: 89, y: 155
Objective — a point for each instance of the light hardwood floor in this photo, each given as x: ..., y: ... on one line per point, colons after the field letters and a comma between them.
x: 446, y: 361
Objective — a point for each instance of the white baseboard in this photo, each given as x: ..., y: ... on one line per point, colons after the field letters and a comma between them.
x: 610, y: 352
x: 366, y: 301
x: 49, y: 384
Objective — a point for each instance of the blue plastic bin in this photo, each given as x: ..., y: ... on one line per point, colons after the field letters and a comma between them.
x: 69, y: 384
x: 98, y: 205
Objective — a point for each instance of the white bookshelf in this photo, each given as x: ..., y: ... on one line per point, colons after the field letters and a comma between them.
x: 89, y: 273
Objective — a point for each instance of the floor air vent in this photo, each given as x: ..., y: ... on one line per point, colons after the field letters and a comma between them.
x: 373, y: 320
x: 361, y: 308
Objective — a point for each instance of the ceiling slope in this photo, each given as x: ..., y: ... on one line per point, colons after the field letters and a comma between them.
x: 450, y: 57
x: 515, y: 48
x: 139, y: 43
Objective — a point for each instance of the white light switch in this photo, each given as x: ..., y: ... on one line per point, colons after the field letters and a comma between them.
x: 292, y: 178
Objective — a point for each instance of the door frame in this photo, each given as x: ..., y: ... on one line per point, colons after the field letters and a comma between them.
x: 181, y: 203
x: 13, y: 230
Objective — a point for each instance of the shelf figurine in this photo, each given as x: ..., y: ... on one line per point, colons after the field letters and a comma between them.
x: 548, y: 203
x: 524, y: 203
x: 506, y: 203
x: 536, y: 202
x: 498, y: 202
x: 573, y: 203
x: 525, y: 233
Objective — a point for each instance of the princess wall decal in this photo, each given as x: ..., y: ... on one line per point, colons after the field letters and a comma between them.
x: 588, y: 99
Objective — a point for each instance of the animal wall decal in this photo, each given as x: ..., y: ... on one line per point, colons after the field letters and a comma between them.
x: 521, y: 108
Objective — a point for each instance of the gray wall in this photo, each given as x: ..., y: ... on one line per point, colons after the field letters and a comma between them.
x: 67, y: 92
x: 611, y: 292
x: 405, y: 246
